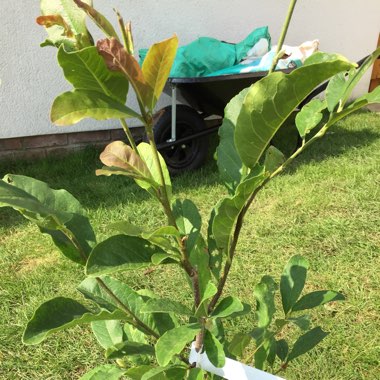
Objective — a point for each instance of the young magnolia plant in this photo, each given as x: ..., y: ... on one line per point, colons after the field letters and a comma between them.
x: 146, y: 336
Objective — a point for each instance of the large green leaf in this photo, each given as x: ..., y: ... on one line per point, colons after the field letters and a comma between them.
x: 310, y: 116
x: 85, y: 70
x: 306, y: 343
x: 128, y: 348
x: 156, y: 67
x: 188, y: 220
x: 120, y: 158
x: 292, y: 281
x: 270, y: 101
x: 317, y: 298
x: 106, y: 371
x: 56, y: 212
x: 239, y: 343
x: 137, y: 373
x: 227, y: 306
x: 92, y: 289
x: 108, y: 333
x: 371, y: 98
x: 229, y: 162
x: 174, y: 341
x: 228, y: 210
x: 102, y: 23
x: 71, y: 107
x: 172, y: 372
x: 282, y: 349
x: 73, y: 17
x: 214, y: 350
x: 146, y: 154
x: 59, y: 314
x: 264, y: 293
x: 120, y: 252
x: 341, y: 85
x: 165, y: 305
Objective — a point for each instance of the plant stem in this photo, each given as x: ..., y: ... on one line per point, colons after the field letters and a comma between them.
x: 163, y: 191
x: 136, y: 321
x: 239, y: 222
x: 283, y: 35
x: 129, y: 135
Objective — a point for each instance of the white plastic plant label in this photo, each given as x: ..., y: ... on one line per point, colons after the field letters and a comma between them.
x: 233, y: 370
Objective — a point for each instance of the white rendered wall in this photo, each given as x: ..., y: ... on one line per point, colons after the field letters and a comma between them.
x: 30, y: 77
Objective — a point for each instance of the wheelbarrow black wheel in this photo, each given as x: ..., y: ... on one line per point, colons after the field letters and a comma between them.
x: 188, y: 155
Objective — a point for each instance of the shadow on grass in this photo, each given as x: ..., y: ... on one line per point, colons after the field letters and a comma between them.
x: 338, y: 141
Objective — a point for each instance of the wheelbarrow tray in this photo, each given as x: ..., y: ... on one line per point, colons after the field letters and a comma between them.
x: 210, y: 95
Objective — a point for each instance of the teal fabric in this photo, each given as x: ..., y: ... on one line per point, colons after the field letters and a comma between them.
x: 207, y: 55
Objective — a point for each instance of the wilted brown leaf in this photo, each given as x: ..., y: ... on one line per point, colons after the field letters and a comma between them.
x: 118, y: 59
x: 51, y: 20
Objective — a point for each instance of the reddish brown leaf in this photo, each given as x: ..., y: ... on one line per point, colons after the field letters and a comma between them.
x: 121, y: 156
x: 118, y: 59
x: 51, y: 20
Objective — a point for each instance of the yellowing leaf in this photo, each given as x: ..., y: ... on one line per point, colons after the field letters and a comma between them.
x: 157, y: 65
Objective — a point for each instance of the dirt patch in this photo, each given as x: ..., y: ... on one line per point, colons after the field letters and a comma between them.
x: 31, y: 264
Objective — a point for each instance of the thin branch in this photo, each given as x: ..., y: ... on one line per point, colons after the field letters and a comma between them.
x: 283, y: 35
x: 136, y: 321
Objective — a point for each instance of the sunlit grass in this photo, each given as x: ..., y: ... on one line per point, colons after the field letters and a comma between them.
x: 326, y: 207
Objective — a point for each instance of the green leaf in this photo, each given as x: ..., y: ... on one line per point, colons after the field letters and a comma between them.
x: 75, y: 19
x: 188, y: 220
x: 264, y: 293
x: 56, y: 212
x: 107, y: 333
x: 156, y: 68
x: 271, y: 100
x: 282, y: 349
x: 274, y: 158
x: 239, y: 343
x: 341, y: 86
x: 107, y: 371
x: 85, y: 70
x: 61, y: 313
x: 229, y: 162
x: 92, y: 289
x: 371, y: 98
x: 207, y: 291
x: 214, y: 350
x: 71, y: 107
x: 227, y: 306
x: 126, y: 228
x: 102, y: 23
x: 196, y: 374
x: 146, y: 154
x: 173, y: 372
x: 137, y: 373
x: 128, y: 348
x: 119, y: 253
x: 306, y: 342
x: 174, y: 341
x: 316, y: 299
x: 302, y: 322
x: 310, y: 116
x: 165, y: 305
x: 292, y: 281
x: 228, y: 210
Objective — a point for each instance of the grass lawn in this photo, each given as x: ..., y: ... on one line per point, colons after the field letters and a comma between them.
x: 326, y: 207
